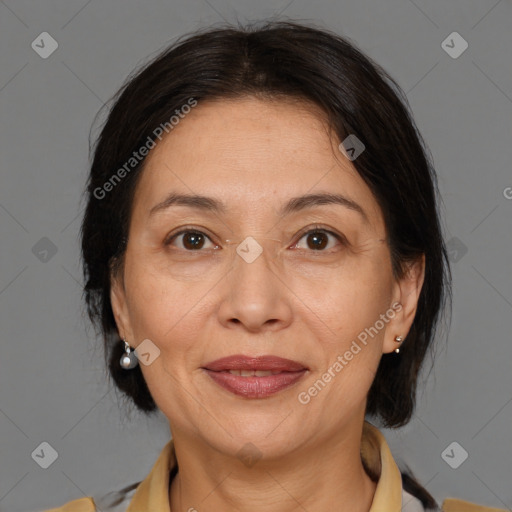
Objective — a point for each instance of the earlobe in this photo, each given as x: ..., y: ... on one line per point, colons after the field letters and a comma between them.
x: 119, y: 307
x: 398, y: 339
x: 407, y: 292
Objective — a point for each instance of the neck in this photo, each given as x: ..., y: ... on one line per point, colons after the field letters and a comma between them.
x: 323, y: 476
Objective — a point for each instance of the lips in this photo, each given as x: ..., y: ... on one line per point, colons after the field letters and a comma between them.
x: 255, y: 377
x: 263, y: 363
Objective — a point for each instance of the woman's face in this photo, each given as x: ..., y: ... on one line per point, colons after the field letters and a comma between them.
x: 313, y: 284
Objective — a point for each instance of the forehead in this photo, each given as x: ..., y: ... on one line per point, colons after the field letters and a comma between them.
x: 249, y: 152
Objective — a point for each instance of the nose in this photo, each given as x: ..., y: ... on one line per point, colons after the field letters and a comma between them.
x: 254, y: 297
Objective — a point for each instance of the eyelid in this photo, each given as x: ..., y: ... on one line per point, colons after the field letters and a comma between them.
x: 187, y: 229
x: 318, y: 227
x: 305, y: 231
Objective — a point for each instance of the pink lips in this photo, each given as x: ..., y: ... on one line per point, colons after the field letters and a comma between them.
x: 279, y: 374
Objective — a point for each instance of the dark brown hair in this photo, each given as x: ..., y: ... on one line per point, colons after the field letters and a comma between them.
x: 273, y: 60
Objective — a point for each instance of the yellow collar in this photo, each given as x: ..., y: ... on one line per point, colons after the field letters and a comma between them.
x: 153, y: 491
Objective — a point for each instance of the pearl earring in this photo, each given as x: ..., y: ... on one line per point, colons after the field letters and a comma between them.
x: 128, y: 359
x: 398, y: 339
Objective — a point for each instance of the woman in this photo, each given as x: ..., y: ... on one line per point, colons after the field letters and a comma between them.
x: 263, y: 255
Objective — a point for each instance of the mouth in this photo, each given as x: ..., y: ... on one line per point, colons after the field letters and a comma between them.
x: 253, y: 373
x: 240, y: 362
x: 255, y: 377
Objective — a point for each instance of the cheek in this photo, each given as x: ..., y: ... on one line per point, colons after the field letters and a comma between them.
x: 157, y: 304
x: 167, y: 312
x: 350, y: 298
x: 345, y: 316
x: 337, y: 302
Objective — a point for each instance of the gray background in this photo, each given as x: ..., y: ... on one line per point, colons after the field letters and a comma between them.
x: 52, y: 381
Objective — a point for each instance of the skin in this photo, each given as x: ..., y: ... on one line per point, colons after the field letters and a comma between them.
x: 293, y: 301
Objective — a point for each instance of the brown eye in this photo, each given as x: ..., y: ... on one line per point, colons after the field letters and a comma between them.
x: 193, y: 241
x: 318, y: 240
x: 189, y: 240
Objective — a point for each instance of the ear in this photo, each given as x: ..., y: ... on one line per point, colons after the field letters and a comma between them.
x: 406, y: 294
x: 120, y: 306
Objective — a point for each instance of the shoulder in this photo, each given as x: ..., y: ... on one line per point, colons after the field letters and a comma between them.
x: 411, y: 503
x: 417, y: 499
x: 114, y: 501
x: 456, y: 505
x: 80, y: 505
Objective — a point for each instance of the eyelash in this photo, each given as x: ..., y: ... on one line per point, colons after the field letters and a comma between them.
x: 315, y: 229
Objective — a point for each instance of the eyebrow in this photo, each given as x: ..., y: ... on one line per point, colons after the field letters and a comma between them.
x: 293, y: 205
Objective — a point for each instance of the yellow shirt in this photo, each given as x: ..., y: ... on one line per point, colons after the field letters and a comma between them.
x: 152, y: 494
